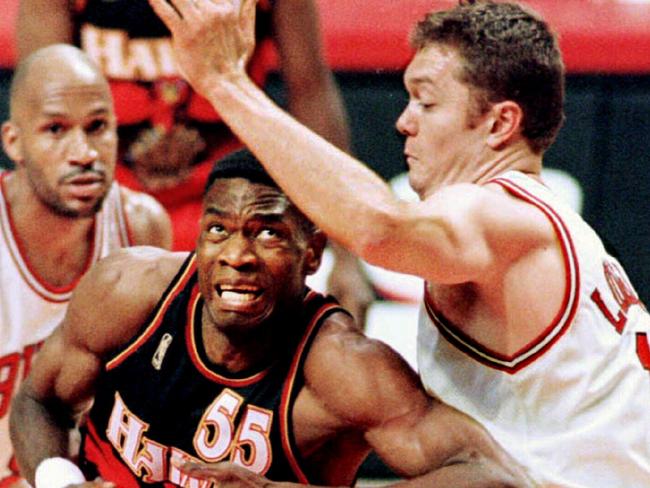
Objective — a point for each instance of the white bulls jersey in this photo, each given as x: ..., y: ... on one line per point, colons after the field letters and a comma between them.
x: 30, y: 309
x: 573, y: 405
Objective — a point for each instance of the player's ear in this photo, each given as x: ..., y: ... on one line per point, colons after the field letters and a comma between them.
x: 507, y: 117
x: 314, y: 252
x: 11, y: 141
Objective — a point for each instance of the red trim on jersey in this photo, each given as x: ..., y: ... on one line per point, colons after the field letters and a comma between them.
x: 157, y: 320
x: 121, y: 216
x: 9, y: 481
x: 80, y: 5
x: 558, y: 326
x: 22, y: 262
x: 192, y: 350
x: 284, y: 410
x: 109, y: 466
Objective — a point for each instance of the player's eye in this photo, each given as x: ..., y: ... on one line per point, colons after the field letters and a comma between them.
x: 216, y: 230
x: 55, y: 128
x: 97, y: 125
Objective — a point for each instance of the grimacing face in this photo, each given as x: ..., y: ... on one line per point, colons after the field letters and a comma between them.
x: 66, y: 141
x: 253, y: 254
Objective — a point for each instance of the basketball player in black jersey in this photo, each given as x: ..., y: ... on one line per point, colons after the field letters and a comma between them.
x: 224, y: 355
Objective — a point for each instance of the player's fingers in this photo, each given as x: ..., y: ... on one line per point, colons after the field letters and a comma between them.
x: 202, y: 471
x: 247, y: 10
x: 247, y: 19
x: 169, y: 12
x: 221, y: 7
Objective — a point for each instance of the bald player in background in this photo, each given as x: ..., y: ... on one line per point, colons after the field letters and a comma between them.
x: 60, y: 210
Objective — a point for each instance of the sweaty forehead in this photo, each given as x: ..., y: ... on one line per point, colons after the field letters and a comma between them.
x: 241, y: 196
x: 431, y: 64
x: 47, y: 88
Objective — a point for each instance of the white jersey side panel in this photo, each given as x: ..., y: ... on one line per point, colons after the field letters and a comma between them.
x: 30, y: 309
x: 574, y: 405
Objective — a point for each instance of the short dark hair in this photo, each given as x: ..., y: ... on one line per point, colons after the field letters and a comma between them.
x: 508, y: 53
x: 243, y: 164
x: 240, y: 164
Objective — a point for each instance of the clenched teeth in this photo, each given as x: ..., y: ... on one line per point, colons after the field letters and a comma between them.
x: 240, y: 293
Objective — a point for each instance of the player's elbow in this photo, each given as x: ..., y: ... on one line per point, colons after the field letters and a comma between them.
x: 375, y: 240
x: 485, y: 471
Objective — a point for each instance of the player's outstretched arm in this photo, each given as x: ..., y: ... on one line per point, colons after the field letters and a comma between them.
x: 108, y: 306
x: 435, y: 239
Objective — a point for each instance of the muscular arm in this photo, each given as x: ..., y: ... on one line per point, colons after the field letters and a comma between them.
x: 313, y: 97
x: 148, y: 221
x: 109, y: 305
x: 43, y: 22
x: 369, y: 388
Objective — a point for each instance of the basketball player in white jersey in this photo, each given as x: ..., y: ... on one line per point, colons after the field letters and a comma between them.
x: 528, y: 324
x: 59, y: 209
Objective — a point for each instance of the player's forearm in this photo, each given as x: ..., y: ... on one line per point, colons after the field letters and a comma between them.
x: 473, y: 474
x: 38, y: 431
x: 33, y: 15
x: 304, y: 164
x: 319, y: 106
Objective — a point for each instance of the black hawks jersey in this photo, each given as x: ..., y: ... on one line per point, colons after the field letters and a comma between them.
x: 160, y: 399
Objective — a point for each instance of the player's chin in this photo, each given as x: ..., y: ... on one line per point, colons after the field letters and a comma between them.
x: 86, y: 208
x: 243, y: 317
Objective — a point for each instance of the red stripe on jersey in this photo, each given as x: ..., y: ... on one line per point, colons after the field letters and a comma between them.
x: 9, y: 481
x: 157, y: 320
x: 192, y: 350
x: 560, y: 323
x: 285, y: 404
x: 109, y: 466
x: 49, y: 292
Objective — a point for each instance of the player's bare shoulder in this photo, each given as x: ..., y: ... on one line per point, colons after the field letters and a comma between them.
x: 355, y: 375
x: 136, y: 272
x: 148, y: 221
x: 119, y: 293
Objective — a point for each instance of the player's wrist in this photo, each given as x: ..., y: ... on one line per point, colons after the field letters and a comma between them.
x: 57, y: 472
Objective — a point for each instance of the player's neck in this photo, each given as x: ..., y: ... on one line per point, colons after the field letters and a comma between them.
x: 251, y: 351
x: 518, y: 157
x: 56, y: 247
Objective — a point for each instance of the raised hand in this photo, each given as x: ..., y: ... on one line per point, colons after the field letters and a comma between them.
x: 211, y: 38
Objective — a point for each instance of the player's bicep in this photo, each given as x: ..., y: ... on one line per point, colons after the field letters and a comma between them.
x: 466, y: 233
x: 422, y: 440
x: 440, y: 239
x: 108, y: 305
x: 64, y: 370
x: 363, y: 381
